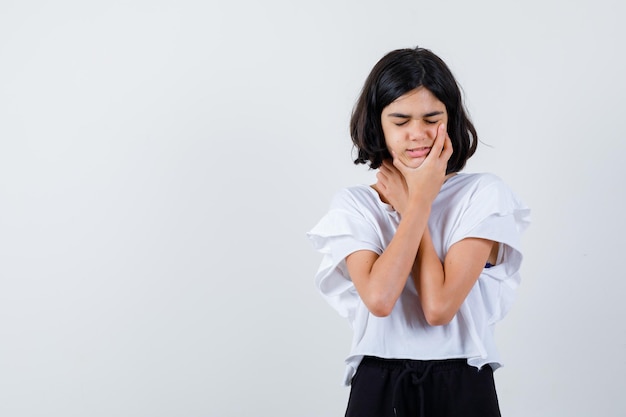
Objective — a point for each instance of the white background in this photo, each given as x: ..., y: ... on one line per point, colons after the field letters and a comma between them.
x: 161, y: 161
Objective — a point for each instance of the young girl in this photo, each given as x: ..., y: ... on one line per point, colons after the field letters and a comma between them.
x: 424, y: 262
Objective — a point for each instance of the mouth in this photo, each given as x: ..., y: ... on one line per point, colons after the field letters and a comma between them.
x: 418, y: 152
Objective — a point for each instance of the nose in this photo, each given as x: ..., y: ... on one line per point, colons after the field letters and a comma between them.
x: 419, y: 131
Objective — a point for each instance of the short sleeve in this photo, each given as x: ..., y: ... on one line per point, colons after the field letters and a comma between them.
x: 496, y: 213
x: 338, y: 234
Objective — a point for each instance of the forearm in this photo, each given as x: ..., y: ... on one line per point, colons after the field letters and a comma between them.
x: 429, y: 278
x: 442, y: 287
x: 381, y: 279
x: 398, y: 258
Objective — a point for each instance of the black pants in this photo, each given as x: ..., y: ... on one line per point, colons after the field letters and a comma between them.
x: 446, y: 388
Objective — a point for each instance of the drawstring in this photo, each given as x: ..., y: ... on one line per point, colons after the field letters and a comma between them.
x: 415, y: 380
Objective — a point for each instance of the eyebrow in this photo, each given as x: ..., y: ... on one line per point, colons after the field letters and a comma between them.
x: 406, y: 116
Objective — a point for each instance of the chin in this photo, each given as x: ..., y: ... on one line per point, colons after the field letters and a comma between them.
x: 416, y: 163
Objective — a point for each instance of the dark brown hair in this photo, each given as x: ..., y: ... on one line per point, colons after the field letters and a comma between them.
x: 396, y: 74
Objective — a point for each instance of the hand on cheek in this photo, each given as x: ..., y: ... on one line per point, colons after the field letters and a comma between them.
x: 425, y: 181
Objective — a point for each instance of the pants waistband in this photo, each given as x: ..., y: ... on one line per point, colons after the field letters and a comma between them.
x: 434, y: 365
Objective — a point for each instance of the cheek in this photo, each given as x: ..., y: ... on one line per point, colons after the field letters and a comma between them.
x: 389, y: 137
x: 392, y: 141
x: 432, y: 131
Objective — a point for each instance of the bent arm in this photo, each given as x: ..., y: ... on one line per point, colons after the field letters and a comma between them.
x: 380, y: 279
x: 443, y: 287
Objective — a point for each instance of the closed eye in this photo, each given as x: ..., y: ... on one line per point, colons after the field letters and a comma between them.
x: 399, y: 119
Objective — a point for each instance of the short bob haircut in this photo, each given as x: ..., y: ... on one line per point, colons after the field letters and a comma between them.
x: 396, y: 74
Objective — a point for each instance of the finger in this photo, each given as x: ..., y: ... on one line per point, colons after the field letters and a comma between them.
x: 440, y: 140
x: 386, y: 167
x: 438, y: 144
x: 447, y: 148
x: 392, y: 169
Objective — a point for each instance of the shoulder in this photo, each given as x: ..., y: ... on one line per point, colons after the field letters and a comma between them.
x: 356, y: 197
x: 480, y: 205
x: 483, y: 192
x: 361, y: 203
x: 353, y: 216
x: 474, y: 186
x: 476, y: 181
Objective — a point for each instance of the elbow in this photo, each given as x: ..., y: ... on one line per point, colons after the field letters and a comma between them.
x: 436, y: 320
x: 381, y: 307
x: 380, y: 311
x: 438, y: 315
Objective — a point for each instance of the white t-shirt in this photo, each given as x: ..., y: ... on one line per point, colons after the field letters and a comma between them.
x: 468, y: 205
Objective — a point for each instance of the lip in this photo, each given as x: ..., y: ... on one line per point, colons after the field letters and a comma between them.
x: 418, y: 152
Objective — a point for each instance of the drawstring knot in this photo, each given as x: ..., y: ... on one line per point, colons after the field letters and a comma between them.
x: 416, y: 379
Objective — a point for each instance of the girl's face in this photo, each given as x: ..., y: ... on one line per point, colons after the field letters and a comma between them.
x: 410, y: 125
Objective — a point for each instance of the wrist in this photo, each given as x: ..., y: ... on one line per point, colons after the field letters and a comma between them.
x: 418, y: 201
